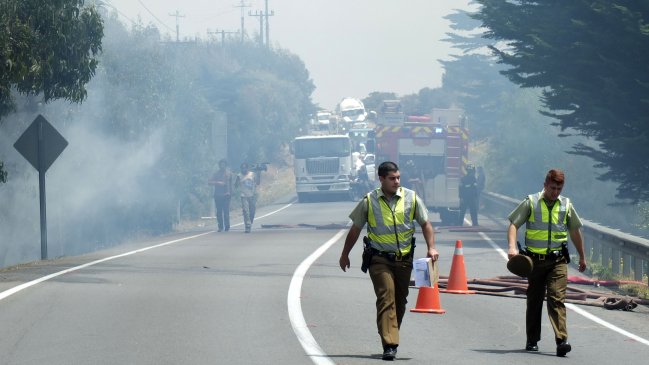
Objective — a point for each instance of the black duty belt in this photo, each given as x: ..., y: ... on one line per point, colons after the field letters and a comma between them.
x: 552, y: 255
x: 392, y: 256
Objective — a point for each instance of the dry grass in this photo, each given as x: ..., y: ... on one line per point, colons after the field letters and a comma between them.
x: 277, y: 182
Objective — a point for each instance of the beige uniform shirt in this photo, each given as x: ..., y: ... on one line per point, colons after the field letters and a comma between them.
x: 359, y: 214
x: 521, y: 214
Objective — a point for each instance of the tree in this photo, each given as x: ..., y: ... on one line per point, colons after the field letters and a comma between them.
x: 47, y: 47
x: 375, y: 99
x: 590, y: 59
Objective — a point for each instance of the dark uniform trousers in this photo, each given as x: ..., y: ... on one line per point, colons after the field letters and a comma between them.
x: 549, y: 276
x: 391, y: 280
x: 222, y: 204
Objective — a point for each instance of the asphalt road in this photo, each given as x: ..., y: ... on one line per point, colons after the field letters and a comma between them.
x: 277, y: 296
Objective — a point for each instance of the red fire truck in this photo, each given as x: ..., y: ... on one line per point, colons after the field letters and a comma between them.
x: 432, y: 153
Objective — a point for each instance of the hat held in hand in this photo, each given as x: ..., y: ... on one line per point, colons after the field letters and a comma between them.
x: 520, y: 265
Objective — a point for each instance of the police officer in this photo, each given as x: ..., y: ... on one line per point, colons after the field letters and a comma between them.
x: 469, y: 196
x: 390, y: 213
x: 550, y: 218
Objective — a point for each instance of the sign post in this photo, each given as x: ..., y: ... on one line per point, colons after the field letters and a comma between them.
x: 41, y: 144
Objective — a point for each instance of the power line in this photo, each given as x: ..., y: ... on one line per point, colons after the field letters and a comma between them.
x: 110, y: 5
x: 154, y: 17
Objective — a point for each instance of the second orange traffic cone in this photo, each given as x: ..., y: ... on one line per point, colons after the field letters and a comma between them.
x: 457, y: 279
x: 428, y: 300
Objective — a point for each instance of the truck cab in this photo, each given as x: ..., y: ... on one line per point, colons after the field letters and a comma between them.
x: 323, y: 166
x: 351, y: 111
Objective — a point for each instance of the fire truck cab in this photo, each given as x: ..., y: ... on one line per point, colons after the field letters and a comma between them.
x: 431, y: 152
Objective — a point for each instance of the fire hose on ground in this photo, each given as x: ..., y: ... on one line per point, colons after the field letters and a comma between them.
x: 501, y: 285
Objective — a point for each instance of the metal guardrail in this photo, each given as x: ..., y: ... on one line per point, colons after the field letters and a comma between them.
x: 621, y: 252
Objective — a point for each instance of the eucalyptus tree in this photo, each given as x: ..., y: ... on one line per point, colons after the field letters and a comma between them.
x: 48, y: 47
x: 590, y: 58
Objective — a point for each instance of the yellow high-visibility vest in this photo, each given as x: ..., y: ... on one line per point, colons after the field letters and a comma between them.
x: 546, y: 230
x: 388, y: 230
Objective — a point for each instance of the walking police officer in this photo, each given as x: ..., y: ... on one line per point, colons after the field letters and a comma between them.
x: 550, y: 218
x: 390, y: 213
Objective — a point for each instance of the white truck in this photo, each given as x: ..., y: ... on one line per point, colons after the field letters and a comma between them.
x: 352, y: 113
x: 322, y: 121
x: 323, y: 166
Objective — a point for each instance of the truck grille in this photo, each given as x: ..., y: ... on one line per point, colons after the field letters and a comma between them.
x: 322, y: 166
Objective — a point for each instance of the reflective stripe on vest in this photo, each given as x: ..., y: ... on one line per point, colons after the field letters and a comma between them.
x: 545, y: 228
x: 382, y: 222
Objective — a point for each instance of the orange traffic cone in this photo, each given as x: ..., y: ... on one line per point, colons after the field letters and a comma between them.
x: 428, y: 300
x: 457, y: 279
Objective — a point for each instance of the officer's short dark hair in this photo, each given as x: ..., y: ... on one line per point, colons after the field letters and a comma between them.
x: 223, y: 162
x: 387, y: 167
x: 555, y: 175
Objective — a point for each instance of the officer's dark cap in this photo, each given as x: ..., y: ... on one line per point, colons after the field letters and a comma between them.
x: 520, y: 265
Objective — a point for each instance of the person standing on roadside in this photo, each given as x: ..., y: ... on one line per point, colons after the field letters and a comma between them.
x: 468, y: 192
x: 549, y: 218
x: 390, y: 213
x: 247, y: 184
x: 222, y: 181
x: 481, y: 180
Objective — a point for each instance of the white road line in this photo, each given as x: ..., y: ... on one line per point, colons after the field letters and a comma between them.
x: 262, y: 216
x: 18, y: 288
x: 575, y: 308
x: 298, y: 323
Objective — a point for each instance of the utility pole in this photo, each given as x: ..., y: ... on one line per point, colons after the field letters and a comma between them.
x: 242, y: 5
x: 222, y: 32
x: 261, y: 24
x: 177, y: 15
x: 272, y: 13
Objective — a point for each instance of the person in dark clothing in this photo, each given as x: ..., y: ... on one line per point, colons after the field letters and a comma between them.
x: 222, y: 181
x: 469, y: 196
x: 481, y: 179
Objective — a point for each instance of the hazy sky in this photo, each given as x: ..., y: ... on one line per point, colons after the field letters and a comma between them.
x: 350, y: 47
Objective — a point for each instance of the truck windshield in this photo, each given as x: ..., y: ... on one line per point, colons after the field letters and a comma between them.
x: 352, y: 112
x: 322, y: 147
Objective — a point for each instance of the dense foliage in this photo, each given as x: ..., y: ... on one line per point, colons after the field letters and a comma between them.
x: 142, y: 145
x: 590, y: 57
x: 47, y: 47
x: 515, y: 143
